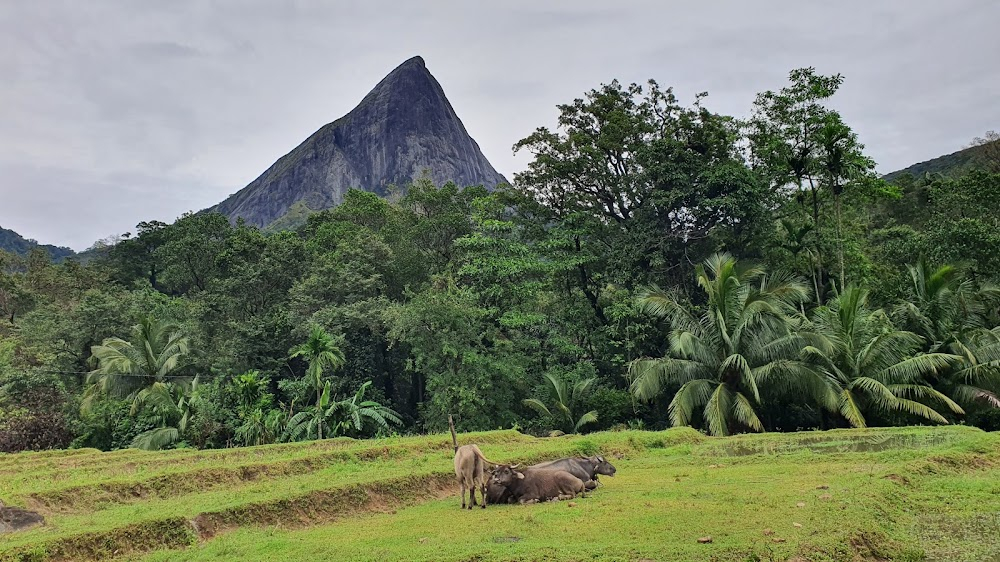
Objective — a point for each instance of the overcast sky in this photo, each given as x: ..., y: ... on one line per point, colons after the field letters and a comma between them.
x: 116, y: 112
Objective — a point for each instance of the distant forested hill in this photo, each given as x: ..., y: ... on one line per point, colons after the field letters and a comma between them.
x: 11, y: 241
x: 985, y: 155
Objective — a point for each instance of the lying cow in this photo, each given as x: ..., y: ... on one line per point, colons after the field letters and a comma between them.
x: 584, y: 468
x: 497, y: 493
x: 537, y: 485
x: 470, y: 468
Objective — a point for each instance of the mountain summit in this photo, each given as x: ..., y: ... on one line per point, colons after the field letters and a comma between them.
x: 403, y: 127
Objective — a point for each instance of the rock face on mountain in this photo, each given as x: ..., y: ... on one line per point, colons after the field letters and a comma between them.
x: 402, y: 128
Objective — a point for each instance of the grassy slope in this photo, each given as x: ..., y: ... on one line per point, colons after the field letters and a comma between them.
x: 904, y: 494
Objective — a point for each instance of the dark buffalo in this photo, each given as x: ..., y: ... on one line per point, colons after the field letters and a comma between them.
x: 498, y: 493
x: 537, y: 485
x: 584, y: 468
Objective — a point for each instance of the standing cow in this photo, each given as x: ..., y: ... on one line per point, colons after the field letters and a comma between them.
x: 537, y: 485
x: 470, y: 468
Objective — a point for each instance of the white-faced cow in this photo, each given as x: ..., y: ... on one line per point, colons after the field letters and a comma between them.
x: 584, y: 468
x: 537, y: 485
x: 470, y: 468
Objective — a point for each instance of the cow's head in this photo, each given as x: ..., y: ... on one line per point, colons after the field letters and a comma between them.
x: 602, y: 466
x: 505, y: 474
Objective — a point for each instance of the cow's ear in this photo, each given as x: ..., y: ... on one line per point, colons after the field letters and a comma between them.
x: 520, y: 475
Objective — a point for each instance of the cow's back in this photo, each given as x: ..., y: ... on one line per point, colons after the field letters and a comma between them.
x: 468, y: 466
x: 576, y: 467
x: 547, y: 482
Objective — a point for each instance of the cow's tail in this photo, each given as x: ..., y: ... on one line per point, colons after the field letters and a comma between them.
x: 454, y: 439
x: 483, y: 458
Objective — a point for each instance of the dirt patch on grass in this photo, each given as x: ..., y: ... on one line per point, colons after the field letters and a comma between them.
x: 898, y: 479
x: 869, y: 547
x: 17, y: 519
x: 957, y: 462
x: 323, y: 506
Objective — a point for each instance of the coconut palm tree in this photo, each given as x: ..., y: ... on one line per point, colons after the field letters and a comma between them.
x: 953, y: 315
x: 321, y: 352
x: 259, y: 422
x: 944, y: 307
x: 873, y: 366
x: 976, y: 380
x: 723, y: 358
x: 173, y: 404
x: 125, y: 368
x: 564, y: 398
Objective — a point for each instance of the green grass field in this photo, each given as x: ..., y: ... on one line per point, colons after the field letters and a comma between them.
x: 880, y: 494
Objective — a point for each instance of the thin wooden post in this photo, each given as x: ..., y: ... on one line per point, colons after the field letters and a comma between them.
x: 454, y: 439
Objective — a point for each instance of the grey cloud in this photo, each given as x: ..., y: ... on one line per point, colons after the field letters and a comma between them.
x: 163, y: 49
x: 114, y: 112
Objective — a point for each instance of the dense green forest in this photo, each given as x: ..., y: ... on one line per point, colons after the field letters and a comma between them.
x: 656, y: 264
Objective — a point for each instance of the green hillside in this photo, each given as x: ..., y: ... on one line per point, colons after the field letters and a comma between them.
x: 13, y: 242
x: 877, y: 494
x: 955, y: 164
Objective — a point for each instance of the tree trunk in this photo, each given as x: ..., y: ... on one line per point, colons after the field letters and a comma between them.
x: 840, y: 242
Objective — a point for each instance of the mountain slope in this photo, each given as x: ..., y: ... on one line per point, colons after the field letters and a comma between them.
x: 13, y: 242
x: 983, y: 156
x: 403, y: 127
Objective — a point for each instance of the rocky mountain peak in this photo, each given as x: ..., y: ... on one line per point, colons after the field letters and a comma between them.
x: 402, y: 128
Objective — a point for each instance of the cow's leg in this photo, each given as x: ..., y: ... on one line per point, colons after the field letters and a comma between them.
x: 472, y: 496
x: 591, y: 484
x: 463, y: 494
x: 482, y: 490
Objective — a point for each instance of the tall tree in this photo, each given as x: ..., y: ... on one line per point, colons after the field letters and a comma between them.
x: 801, y: 145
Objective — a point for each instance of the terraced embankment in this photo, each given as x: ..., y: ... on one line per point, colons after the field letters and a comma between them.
x: 909, y: 493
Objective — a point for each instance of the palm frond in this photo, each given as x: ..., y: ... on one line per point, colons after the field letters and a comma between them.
x: 589, y: 417
x: 649, y: 376
x: 156, y: 439
x: 744, y: 413
x: 849, y: 408
x: 537, y: 405
x: 717, y: 411
x: 690, y: 397
x: 915, y: 368
x: 923, y: 392
x: 918, y: 409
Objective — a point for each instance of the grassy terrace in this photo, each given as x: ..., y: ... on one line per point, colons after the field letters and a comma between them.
x: 900, y: 494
